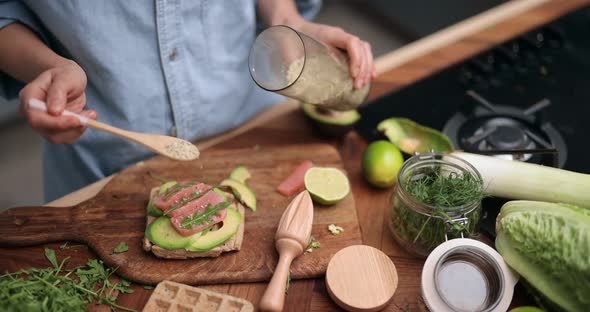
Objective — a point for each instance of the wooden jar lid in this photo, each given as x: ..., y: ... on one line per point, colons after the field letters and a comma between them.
x: 361, y: 278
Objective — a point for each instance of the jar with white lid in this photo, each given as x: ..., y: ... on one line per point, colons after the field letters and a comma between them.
x: 460, y: 274
x: 420, y: 227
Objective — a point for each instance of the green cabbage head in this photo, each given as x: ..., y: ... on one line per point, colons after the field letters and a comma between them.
x: 548, y: 244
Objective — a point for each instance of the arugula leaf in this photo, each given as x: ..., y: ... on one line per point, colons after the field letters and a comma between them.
x: 148, y: 287
x: 200, y: 218
x: 176, y: 188
x: 50, y: 255
x: 54, y: 289
x: 288, y: 285
x: 194, y: 195
x: 122, y: 247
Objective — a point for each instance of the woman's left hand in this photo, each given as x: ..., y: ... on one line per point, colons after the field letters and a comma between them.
x: 359, y: 52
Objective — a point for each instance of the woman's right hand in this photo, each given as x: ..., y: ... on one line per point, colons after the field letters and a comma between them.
x: 61, y: 87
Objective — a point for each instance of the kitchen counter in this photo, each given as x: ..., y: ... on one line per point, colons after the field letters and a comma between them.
x: 284, y: 124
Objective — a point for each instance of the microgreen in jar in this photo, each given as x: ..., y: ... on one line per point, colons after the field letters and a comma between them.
x: 435, y: 200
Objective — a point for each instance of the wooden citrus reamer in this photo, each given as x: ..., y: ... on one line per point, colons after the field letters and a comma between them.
x: 291, y: 239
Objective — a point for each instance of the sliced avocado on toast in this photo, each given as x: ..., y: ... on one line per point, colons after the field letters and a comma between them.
x: 153, y: 210
x: 214, y: 238
x: 164, y: 241
x: 161, y: 233
x: 240, y: 174
x: 243, y: 193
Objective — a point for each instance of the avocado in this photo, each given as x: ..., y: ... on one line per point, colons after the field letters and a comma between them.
x: 211, y: 239
x: 412, y: 138
x: 240, y: 174
x: 220, y: 192
x: 151, y: 209
x: 330, y: 123
x: 164, y: 187
x: 161, y: 233
x: 243, y: 193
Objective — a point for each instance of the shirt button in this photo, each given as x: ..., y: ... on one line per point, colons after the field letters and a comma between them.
x: 172, y: 54
x: 173, y: 131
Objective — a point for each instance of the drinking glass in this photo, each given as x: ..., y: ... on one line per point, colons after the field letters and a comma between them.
x: 290, y: 63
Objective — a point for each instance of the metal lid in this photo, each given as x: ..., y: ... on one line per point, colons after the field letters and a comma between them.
x: 467, y: 275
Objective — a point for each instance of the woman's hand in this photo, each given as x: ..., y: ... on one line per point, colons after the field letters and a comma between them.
x: 274, y: 12
x: 359, y: 51
x: 61, y: 87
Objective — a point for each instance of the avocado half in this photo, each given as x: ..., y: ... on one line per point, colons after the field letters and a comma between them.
x: 330, y: 123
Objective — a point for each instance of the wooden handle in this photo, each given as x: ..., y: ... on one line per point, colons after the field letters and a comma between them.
x: 27, y: 226
x: 129, y: 135
x: 274, y: 296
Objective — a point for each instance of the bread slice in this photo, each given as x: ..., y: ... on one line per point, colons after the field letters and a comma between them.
x: 234, y: 243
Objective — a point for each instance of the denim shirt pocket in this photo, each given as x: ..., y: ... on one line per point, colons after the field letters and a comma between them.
x: 229, y: 28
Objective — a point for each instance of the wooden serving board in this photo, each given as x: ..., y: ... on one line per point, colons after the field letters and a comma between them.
x: 118, y: 214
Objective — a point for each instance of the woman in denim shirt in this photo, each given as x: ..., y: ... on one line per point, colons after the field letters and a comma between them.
x: 174, y: 67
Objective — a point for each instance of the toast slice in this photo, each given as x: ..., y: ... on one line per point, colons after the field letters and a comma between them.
x: 234, y: 243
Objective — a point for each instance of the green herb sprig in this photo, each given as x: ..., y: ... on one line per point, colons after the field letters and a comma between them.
x: 444, y: 190
x: 439, y: 190
x: 194, y: 195
x: 173, y: 190
x: 200, y: 218
x: 120, y: 248
x: 56, y: 289
x: 311, y: 245
x: 288, y: 284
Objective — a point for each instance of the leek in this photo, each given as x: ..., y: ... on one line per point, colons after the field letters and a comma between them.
x: 521, y: 180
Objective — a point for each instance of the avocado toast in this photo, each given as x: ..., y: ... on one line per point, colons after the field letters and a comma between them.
x: 192, y: 219
x: 212, y: 246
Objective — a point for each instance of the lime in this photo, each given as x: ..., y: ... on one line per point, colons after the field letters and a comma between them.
x: 381, y: 162
x: 326, y: 186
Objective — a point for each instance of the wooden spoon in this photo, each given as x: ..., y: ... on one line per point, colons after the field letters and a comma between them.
x: 168, y: 146
x: 292, y: 239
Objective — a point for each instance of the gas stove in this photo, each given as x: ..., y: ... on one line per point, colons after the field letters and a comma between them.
x: 526, y: 99
x: 506, y: 132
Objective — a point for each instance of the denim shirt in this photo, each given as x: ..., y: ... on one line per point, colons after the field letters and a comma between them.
x: 173, y: 67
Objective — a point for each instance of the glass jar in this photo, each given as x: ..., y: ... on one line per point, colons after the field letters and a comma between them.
x: 290, y: 63
x: 420, y: 227
x: 464, y: 275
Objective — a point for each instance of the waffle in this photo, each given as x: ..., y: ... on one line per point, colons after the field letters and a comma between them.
x: 171, y: 297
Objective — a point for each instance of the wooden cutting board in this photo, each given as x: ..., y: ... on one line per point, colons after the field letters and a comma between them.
x: 118, y: 214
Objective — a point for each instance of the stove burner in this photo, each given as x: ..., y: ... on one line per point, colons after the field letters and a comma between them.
x: 508, y: 137
x: 506, y: 132
x: 500, y: 133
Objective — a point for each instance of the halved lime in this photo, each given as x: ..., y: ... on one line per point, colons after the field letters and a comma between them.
x: 326, y: 186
